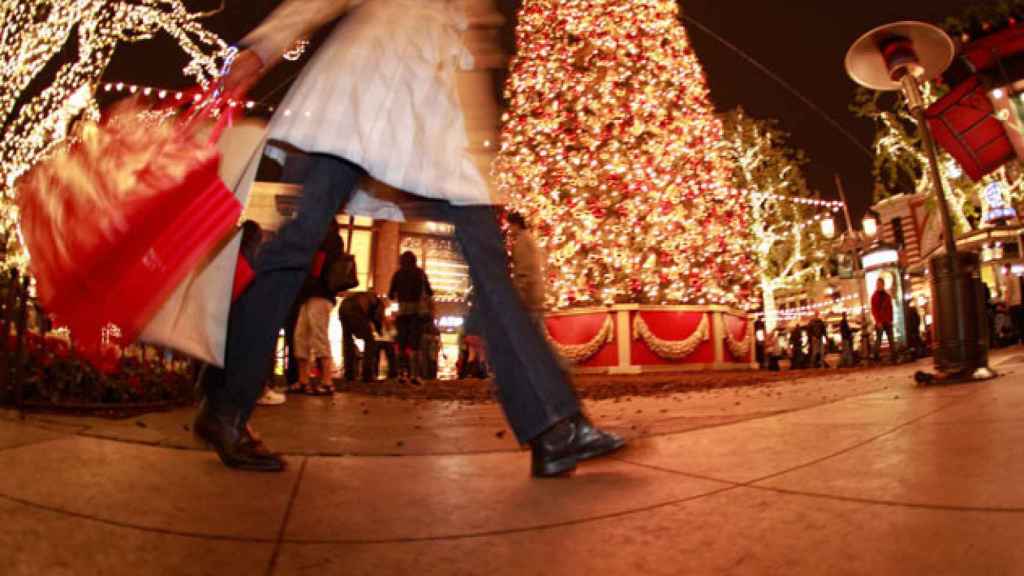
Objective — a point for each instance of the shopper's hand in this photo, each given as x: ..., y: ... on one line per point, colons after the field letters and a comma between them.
x: 245, y: 71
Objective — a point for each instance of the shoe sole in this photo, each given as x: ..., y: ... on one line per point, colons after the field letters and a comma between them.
x: 557, y: 469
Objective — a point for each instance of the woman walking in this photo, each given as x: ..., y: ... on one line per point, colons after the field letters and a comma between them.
x: 380, y: 98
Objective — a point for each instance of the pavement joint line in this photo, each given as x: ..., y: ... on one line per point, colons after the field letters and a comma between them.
x: 892, y: 503
x: 272, y: 565
x: 873, y: 439
x: 37, y: 442
x: 511, y: 531
x: 48, y: 425
x: 755, y: 483
x: 280, y: 539
x: 137, y: 527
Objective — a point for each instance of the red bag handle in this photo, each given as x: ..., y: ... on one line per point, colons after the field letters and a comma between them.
x: 207, y: 101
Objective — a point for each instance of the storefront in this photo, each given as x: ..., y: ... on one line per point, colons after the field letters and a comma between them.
x: 376, y: 246
x: 883, y: 263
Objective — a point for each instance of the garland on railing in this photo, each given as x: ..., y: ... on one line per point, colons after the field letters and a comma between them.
x: 740, y: 348
x: 984, y: 18
x: 577, y: 353
x: 672, y: 349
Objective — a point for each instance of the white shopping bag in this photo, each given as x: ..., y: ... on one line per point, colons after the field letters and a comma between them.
x: 194, y: 320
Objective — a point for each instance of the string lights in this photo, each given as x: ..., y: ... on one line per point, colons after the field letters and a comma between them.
x: 36, y: 36
x: 611, y: 149
x: 832, y: 205
x: 158, y: 93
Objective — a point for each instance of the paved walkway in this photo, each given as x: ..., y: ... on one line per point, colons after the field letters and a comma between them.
x: 853, y: 475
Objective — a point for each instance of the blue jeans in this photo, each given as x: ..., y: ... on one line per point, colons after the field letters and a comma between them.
x: 533, y: 390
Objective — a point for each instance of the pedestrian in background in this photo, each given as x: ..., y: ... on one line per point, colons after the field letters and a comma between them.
x: 846, y: 333
x: 527, y: 265
x: 361, y: 315
x: 796, y: 345
x: 816, y: 333
x: 411, y: 289
x: 882, y: 314
x: 312, y: 342
x: 914, y: 331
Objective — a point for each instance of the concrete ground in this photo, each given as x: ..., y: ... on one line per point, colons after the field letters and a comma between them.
x: 862, y: 473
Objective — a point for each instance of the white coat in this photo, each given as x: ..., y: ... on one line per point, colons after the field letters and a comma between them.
x: 381, y: 93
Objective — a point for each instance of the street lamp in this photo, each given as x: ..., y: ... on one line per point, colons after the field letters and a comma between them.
x: 870, y: 226
x: 856, y: 245
x: 900, y: 56
x: 828, y: 227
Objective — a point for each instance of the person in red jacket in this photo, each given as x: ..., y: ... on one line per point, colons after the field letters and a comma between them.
x: 881, y: 311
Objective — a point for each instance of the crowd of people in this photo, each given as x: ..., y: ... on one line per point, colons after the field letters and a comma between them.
x: 401, y: 328
x: 857, y: 340
x: 807, y: 343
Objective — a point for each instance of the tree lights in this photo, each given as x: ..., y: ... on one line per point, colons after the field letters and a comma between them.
x: 611, y: 150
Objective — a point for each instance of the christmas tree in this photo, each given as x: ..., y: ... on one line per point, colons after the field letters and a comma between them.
x: 611, y: 149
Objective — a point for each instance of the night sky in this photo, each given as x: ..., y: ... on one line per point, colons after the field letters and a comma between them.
x: 803, y: 42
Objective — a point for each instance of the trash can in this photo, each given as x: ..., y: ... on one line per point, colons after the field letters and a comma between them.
x: 953, y: 355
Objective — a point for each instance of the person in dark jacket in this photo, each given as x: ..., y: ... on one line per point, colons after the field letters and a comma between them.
x: 816, y: 332
x: 361, y: 314
x: 914, y: 331
x: 796, y: 343
x: 411, y: 289
x: 846, y: 333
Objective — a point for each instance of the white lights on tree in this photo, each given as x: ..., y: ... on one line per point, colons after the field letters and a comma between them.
x: 787, y: 223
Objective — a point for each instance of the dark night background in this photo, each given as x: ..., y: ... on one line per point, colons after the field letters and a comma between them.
x: 803, y: 42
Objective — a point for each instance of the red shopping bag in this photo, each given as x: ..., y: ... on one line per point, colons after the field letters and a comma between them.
x: 115, y: 220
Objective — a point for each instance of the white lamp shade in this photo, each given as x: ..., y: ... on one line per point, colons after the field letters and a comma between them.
x: 870, y: 226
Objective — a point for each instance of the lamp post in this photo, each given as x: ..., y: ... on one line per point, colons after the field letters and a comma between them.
x: 858, y: 271
x: 900, y: 56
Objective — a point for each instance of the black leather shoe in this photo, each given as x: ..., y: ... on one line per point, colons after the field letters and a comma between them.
x: 557, y: 451
x: 224, y: 431
x: 595, y: 442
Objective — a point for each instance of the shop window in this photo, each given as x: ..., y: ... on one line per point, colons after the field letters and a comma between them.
x: 361, y: 245
x: 441, y: 260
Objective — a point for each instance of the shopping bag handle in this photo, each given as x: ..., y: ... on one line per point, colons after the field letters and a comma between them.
x: 207, y: 101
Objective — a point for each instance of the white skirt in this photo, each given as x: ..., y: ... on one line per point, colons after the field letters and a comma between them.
x: 381, y: 93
